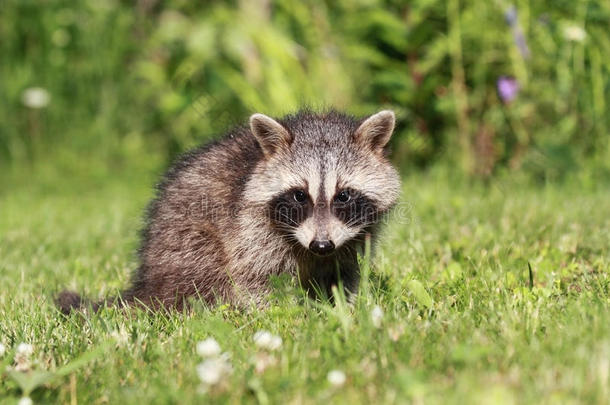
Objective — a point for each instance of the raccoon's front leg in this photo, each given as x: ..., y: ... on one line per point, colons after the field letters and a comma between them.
x: 323, y: 276
x: 350, y: 278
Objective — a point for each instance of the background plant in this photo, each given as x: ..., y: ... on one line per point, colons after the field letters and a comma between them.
x: 481, y: 291
x: 152, y: 78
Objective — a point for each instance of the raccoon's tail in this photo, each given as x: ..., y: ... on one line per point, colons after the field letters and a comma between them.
x: 68, y: 301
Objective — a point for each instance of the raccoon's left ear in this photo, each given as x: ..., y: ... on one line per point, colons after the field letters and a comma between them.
x: 269, y: 133
x: 375, y: 131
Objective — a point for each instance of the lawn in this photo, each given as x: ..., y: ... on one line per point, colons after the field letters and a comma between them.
x: 462, y: 318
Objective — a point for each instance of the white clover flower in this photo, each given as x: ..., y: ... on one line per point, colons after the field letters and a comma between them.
x: 213, y: 370
x: 25, y: 401
x: 574, y: 33
x: 377, y: 316
x: 208, y: 348
x: 276, y: 343
x: 35, y: 97
x: 2, y: 349
x: 336, y: 378
x: 121, y: 336
x: 22, y: 357
x: 262, y: 338
x: 25, y: 349
x: 266, y: 340
x: 210, y: 372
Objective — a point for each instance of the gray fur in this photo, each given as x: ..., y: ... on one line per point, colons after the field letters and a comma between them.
x: 217, y: 230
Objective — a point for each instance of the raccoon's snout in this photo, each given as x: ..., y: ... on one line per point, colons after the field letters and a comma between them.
x: 322, y: 247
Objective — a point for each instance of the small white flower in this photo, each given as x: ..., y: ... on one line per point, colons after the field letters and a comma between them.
x: 209, y: 372
x: 262, y: 338
x: 377, y: 316
x: 22, y: 357
x: 25, y: 349
x: 25, y: 401
x: 336, y: 378
x: 208, y: 348
x: 35, y: 97
x: 276, y: 342
x: 266, y: 340
x: 2, y: 349
x: 213, y: 370
x: 574, y: 33
x: 121, y: 336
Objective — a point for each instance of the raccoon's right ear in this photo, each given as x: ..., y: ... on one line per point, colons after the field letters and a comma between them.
x: 269, y: 133
x: 376, y: 130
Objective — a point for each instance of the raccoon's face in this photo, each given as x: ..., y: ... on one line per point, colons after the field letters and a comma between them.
x: 325, y: 180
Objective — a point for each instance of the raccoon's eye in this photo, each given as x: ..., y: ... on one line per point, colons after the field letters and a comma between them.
x: 300, y: 196
x: 343, y: 196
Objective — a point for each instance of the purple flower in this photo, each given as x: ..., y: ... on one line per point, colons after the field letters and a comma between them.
x: 508, y: 88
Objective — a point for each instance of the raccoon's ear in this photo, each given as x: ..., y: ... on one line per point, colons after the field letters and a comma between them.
x: 375, y: 131
x: 269, y: 133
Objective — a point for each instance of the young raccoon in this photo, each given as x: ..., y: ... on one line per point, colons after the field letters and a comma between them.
x: 296, y: 195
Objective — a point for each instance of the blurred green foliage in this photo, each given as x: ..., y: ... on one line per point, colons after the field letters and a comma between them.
x: 133, y: 80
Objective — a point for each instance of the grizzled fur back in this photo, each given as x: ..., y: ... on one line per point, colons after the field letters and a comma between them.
x: 297, y: 195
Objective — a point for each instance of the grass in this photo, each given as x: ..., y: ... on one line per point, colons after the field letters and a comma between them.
x: 463, y: 320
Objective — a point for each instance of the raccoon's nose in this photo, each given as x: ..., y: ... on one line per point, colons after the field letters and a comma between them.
x: 322, y: 247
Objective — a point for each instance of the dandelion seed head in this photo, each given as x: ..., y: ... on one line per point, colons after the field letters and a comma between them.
x: 262, y: 338
x: 35, y: 97
x: 377, y: 316
x: 212, y: 371
x: 121, y: 336
x: 25, y: 401
x: 574, y: 33
x: 208, y: 348
x: 22, y: 357
x: 336, y: 378
x: 266, y: 340
x: 209, y: 372
x: 25, y: 349
x: 276, y: 342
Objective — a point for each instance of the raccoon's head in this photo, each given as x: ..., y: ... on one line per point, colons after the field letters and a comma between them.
x: 324, y: 178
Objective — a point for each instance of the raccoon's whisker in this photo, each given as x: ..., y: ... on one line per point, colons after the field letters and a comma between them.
x: 349, y: 248
x: 285, y: 227
x: 290, y: 238
x: 363, y: 231
x: 285, y: 230
x: 288, y: 229
x: 284, y: 215
x: 289, y: 219
x: 352, y: 222
x: 360, y: 222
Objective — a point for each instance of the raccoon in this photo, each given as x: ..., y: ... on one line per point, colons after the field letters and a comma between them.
x: 297, y: 195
